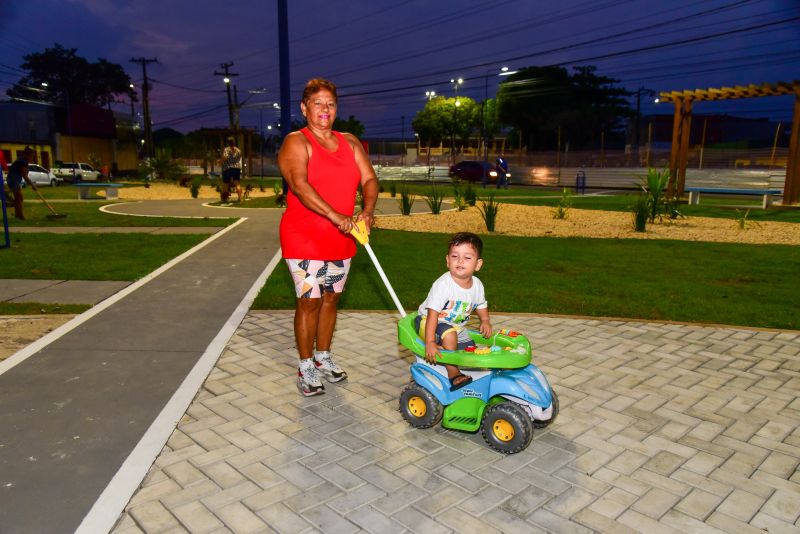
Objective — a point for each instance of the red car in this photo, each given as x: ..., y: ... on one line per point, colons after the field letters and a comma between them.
x: 473, y: 171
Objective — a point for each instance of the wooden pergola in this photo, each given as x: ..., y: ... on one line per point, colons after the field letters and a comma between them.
x: 681, y: 128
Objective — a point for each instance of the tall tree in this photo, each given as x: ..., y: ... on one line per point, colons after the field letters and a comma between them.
x: 537, y: 101
x: 351, y: 125
x: 441, y: 120
x: 72, y: 78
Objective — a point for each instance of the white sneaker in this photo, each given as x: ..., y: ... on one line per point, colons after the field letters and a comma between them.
x: 328, y: 368
x: 308, y: 381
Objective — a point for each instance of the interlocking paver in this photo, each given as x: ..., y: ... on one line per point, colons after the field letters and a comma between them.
x: 664, y: 428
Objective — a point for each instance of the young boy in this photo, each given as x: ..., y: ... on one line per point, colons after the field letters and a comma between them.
x: 453, y: 297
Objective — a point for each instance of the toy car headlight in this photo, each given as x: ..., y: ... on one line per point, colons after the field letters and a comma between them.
x: 493, y: 174
x: 529, y: 390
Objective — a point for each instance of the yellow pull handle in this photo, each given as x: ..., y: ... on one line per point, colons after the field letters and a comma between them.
x: 359, y: 231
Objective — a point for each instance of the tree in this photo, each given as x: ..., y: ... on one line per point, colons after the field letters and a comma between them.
x: 537, y: 101
x: 351, y: 125
x: 72, y: 78
x: 442, y: 120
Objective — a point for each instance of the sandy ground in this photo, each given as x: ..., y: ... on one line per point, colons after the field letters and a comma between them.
x: 18, y: 331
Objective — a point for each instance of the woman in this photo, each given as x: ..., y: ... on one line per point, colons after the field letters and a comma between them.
x: 323, y: 169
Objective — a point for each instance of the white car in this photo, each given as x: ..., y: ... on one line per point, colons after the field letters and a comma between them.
x: 41, y: 176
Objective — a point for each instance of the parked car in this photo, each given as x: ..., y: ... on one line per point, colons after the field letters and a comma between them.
x: 41, y: 176
x: 473, y: 171
x: 76, y: 172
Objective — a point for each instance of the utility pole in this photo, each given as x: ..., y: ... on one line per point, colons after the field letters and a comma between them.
x: 403, y: 136
x: 227, y: 79
x: 148, y: 126
x: 637, y: 124
x: 283, y: 63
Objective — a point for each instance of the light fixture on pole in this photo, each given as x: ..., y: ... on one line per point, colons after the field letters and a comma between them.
x: 504, y: 71
x: 430, y: 95
x: 456, y: 83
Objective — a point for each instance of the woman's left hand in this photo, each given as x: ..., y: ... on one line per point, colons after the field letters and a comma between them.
x: 367, y: 217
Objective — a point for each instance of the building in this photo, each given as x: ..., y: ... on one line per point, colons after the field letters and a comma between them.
x: 82, y: 133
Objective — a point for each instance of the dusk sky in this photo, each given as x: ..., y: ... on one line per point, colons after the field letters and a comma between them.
x: 385, y: 54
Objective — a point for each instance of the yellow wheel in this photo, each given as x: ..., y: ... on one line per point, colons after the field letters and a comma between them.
x: 419, y: 406
x: 503, y: 430
x: 506, y: 427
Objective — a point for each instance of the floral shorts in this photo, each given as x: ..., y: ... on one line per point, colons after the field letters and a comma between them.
x: 314, y: 277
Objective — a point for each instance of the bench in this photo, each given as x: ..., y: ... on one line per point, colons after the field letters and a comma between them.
x: 766, y: 194
x: 85, y: 189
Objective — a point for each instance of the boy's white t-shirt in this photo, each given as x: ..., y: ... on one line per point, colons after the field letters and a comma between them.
x: 454, y: 303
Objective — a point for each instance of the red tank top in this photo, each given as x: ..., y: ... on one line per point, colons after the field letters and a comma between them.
x: 335, y: 176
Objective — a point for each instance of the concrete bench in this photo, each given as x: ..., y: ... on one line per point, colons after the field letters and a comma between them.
x: 85, y: 189
x: 765, y: 194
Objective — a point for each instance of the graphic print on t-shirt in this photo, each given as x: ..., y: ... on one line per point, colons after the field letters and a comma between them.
x: 456, y: 312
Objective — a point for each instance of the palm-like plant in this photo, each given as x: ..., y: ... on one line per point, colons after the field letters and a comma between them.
x: 653, y: 185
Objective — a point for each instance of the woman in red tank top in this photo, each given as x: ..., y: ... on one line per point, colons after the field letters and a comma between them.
x: 323, y: 169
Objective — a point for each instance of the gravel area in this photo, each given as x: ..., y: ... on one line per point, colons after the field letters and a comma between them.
x: 519, y: 220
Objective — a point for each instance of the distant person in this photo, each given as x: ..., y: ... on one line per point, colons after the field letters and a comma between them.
x: 3, y: 165
x: 451, y: 300
x: 231, y: 170
x: 323, y: 169
x: 17, y: 172
x: 501, y: 167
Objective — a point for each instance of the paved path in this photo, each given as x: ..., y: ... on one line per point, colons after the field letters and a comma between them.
x: 664, y: 428
x: 72, y: 413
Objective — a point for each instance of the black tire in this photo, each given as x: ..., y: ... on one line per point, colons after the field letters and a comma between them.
x: 507, y: 428
x: 544, y: 424
x: 53, y: 182
x: 420, y: 407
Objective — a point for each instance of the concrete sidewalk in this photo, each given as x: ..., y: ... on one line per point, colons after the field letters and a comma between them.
x: 72, y: 413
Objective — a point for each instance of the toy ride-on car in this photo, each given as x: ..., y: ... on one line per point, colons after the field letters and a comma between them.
x: 507, y: 400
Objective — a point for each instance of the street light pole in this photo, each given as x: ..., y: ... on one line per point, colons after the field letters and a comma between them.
x: 456, y: 83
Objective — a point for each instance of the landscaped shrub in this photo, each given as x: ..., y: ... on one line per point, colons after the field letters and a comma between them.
x: 393, y: 188
x: 434, y: 200
x: 653, y: 186
x: 564, y: 204
x: 489, y: 209
x: 280, y: 198
x: 459, y: 201
x: 469, y: 194
x: 406, y: 200
x: 195, y: 187
x: 641, y: 212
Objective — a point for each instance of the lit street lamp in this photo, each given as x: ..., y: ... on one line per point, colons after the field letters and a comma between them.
x: 455, y: 83
x: 503, y: 72
x: 430, y: 95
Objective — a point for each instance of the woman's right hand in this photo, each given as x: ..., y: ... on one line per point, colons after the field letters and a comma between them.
x: 343, y: 223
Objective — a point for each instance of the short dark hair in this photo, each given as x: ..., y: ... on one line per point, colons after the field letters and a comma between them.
x: 315, y: 85
x: 468, y: 238
x: 28, y: 150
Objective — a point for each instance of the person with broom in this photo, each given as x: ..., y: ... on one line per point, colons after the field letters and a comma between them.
x: 17, y: 172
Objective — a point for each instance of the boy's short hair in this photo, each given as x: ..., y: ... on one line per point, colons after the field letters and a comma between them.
x: 468, y: 238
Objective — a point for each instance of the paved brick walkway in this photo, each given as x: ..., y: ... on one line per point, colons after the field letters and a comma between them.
x: 664, y: 428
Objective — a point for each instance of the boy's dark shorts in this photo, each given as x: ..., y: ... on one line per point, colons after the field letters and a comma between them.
x: 231, y: 175
x: 441, y: 330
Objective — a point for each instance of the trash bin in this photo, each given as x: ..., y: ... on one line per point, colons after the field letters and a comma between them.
x: 580, y: 182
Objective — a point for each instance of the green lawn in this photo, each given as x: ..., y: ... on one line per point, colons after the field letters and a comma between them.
x: 46, y: 256
x: 747, y: 285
